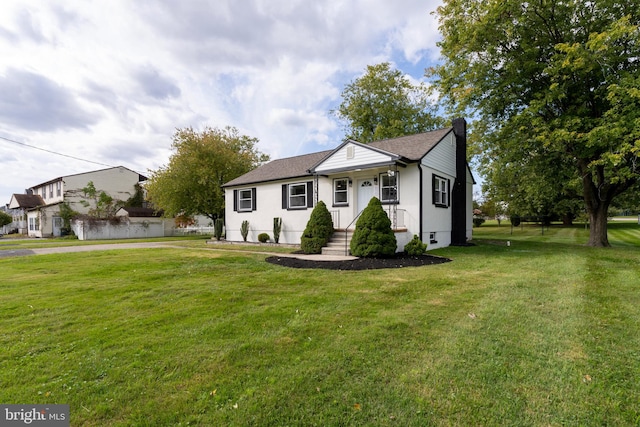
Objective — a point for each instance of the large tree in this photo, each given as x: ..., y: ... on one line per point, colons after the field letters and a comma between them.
x: 384, y: 103
x: 191, y: 184
x: 552, y: 84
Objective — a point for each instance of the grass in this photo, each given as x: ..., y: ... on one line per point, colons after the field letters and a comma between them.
x: 541, y: 332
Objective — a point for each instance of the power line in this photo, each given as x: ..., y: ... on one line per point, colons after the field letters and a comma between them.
x: 53, y: 152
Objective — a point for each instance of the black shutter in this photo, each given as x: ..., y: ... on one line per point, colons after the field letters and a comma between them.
x: 235, y: 200
x: 433, y: 189
x: 253, y: 199
x: 310, y: 194
x: 448, y: 192
x: 285, y: 196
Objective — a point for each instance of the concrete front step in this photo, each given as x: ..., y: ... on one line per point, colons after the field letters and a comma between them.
x: 336, y: 251
x: 337, y: 244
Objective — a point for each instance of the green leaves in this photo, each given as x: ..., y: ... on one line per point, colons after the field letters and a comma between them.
x: 383, y: 103
x: 203, y: 161
x: 554, y: 87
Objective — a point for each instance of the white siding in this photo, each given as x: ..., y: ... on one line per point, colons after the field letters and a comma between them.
x: 362, y: 156
x: 435, y: 219
x: 443, y: 156
x: 268, y: 206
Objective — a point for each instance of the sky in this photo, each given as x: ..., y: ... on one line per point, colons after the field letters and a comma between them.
x: 107, y: 82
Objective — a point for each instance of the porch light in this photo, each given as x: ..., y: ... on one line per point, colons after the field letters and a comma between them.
x: 350, y: 182
x: 375, y: 180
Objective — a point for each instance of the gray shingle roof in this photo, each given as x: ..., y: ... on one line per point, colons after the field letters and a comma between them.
x: 290, y: 167
x: 28, y: 201
x: 410, y: 148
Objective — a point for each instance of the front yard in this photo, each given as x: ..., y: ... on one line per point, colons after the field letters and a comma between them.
x: 542, y: 332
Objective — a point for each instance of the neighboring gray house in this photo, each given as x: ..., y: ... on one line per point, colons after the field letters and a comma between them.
x: 422, y: 180
x: 43, y: 216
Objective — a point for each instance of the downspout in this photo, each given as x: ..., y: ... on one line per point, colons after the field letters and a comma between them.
x: 420, y: 209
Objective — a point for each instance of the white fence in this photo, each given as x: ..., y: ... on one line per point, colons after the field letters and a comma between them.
x: 186, y: 231
x: 99, y: 230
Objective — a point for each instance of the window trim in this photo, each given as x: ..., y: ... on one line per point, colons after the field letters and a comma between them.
x: 345, y: 191
x: 308, y: 195
x: 395, y: 201
x: 435, y: 186
x: 236, y: 199
x: 245, y: 195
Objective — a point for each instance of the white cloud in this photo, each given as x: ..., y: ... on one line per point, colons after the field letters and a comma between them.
x: 110, y: 81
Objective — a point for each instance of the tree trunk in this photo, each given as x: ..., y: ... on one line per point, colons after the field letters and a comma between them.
x: 597, y: 199
x: 567, y: 219
x: 598, y: 227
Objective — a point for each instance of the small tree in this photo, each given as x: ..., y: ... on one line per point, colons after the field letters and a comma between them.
x: 244, y: 230
x: 5, y: 219
x: 217, y: 228
x: 318, y: 231
x: 67, y: 214
x: 277, y: 228
x: 373, y: 236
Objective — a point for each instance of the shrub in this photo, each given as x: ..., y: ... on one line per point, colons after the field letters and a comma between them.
x: 373, y: 236
x: 415, y: 247
x: 244, y: 230
x: 478, y: 221
x: 318, y: 231
x: 217, y: 228
x: 277, y: 228
x: 515, y: 220
x: 263, y: 237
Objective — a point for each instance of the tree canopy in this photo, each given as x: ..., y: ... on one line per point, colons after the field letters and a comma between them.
x: 5, y: 219
x: 555, y: 90
x: 191, y: 184
x: 384, y: 103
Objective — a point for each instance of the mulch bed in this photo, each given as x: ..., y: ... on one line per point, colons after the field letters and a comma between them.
x: 398, y: 261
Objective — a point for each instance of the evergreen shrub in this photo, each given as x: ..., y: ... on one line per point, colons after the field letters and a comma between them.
x: 415, y: 247
x: 373, y: 236
x: 318, y: 231
x: 263, y: 237
x: 217, y: 228
x: 244, y: 230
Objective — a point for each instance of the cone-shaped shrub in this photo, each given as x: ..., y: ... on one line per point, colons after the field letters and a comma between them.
x: 373, y: 236
x: 318, y: 231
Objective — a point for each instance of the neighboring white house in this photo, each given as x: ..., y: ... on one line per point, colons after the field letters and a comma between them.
x: 422, y: 180
x: 43, y: 220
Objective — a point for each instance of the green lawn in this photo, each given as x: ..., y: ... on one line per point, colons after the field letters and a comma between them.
x: 544, y: 331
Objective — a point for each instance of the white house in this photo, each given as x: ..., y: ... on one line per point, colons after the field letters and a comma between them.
x: 44, y: 219
x: 422, y: 180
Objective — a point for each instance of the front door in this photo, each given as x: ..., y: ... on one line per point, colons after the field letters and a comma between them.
x: 57, y: 226
x: 366, y: 191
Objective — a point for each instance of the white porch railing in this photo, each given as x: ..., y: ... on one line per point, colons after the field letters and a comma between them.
x: 335, y: 218
x: 399, y: 220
